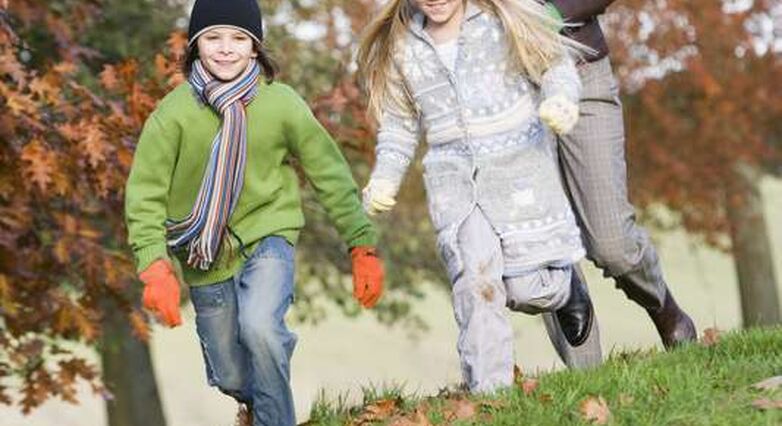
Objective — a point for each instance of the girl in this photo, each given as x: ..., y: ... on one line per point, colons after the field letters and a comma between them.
x: 211, y: 188
x: 469, y: 77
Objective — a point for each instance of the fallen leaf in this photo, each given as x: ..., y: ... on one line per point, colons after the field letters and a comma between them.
x: 377, y: 411
x: 595, y: 410
x: 464, y: 409
x: 711, y: 336
x: 769, y: 384
x: 529, y: 385
x: 545, y: 398
x: 418, y: 418
x: 459, y: 409
x: 767, y: 404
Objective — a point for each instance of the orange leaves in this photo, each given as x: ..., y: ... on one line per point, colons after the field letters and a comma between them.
x: 416, y: 419
x: 65, y: 68
x: 459, y: 409
x: 94, y: 145
x: 40, y: 164
x: 711, y: 336
x: 527, y: 385
x: 177, y: 44
x: 10, y: 66
x: 67, y: 147
x: 71, y: 319
x: 41, y: 384
x: 378, y: 411
x: 45, y: 89
x: 20, y: 104
x: 595, y: 410
x: 689, y: 127
x: 108, y: 78
x: 139, y: 326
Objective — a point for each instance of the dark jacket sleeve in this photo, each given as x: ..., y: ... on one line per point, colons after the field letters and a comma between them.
x: 580, y: 10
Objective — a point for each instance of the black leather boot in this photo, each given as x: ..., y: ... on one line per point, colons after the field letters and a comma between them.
x: 577, y: 315
x: 673, y: 324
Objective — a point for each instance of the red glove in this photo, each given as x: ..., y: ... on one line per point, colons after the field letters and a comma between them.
x: 367, y: 275
x: 161, y: 292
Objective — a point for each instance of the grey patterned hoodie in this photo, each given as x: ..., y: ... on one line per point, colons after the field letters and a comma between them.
x: 487, y: 146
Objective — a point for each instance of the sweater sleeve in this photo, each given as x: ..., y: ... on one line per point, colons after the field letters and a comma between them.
x: 398, y: 133
x: 580, y: 10
x: 146, y: 191
x: 329, y: 174
x: 562, y: 79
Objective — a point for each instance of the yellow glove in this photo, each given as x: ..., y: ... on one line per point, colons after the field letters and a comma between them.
x: 559, y: 114
x: 378, y: 196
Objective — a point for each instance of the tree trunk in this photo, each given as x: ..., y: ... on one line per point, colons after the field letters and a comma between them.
x: 751, y: 249
x: 128, y: 374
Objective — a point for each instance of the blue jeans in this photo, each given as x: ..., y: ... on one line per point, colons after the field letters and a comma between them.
x: 246, y: 345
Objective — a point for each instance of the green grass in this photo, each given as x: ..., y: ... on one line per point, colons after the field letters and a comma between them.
x: 694, y: 385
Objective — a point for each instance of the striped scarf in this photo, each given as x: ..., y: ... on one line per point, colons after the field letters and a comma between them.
x: 202, y: 231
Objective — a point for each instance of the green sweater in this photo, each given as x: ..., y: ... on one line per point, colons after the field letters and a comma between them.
x: 173, y: 152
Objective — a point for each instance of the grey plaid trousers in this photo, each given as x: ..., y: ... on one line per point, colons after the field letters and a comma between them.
x: 592, y: 159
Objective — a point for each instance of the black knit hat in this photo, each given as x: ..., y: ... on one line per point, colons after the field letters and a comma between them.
x: 242, y: 14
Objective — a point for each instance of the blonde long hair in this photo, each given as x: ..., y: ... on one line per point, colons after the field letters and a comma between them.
x: 533, y: 43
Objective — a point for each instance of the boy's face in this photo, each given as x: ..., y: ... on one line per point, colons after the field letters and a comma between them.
x: 440, y: 11
x: 225, y: 52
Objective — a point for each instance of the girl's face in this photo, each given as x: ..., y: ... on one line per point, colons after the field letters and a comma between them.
x: 440, y: 12
x: 225, y: 52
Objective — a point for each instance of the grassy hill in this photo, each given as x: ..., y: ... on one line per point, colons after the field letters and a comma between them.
x: 719, y: 381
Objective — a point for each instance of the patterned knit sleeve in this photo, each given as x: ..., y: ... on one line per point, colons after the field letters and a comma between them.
x: 562, y: 79
x: 398, y: 134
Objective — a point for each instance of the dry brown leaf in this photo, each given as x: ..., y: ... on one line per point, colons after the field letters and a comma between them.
x: 40, y: 163
x: 377, y: 411
x: 464, y: 409
x: 767, y: 404
x: 711, y: 336
x: 65, y: 68
x: 529, y: 385
x: 769, y: 384
x: 458, y: 409
x: 139, y: 326
x: 595, y: 410
x: 108, y: 77
x: 177, y: 43
x: 418, y: 418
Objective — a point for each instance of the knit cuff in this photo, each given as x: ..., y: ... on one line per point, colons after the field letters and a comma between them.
x: 146, y: 255
x: 367, y: 239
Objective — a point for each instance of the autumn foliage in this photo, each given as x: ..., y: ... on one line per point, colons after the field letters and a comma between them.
x: 66, y: 148
x: 69, y: 124
x: 702, y: 79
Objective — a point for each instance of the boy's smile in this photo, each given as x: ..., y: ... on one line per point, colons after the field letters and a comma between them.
x: 226, y: 51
